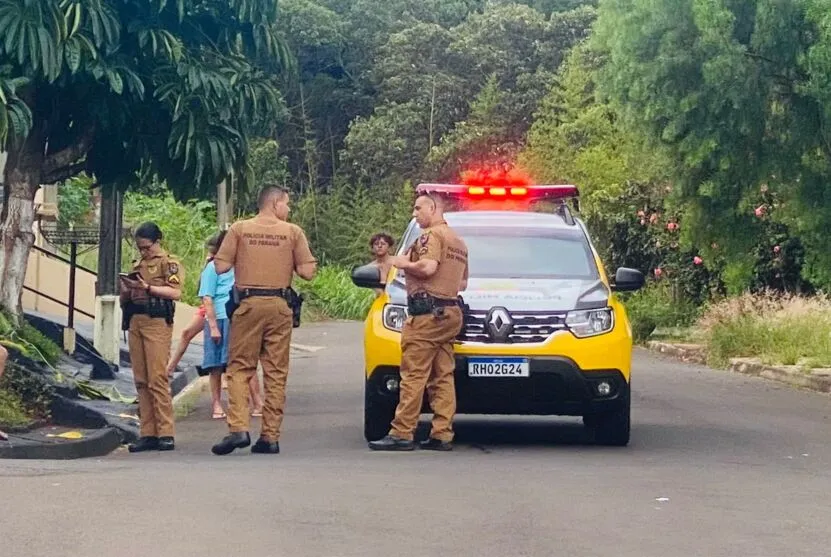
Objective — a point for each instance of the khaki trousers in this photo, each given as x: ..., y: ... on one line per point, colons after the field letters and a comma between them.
x: 428, y: 362
x: 260, y: 331
x: 149, y: 344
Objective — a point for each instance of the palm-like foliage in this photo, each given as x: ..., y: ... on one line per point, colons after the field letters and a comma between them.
x: 203, y: 71
x: 129, y: 89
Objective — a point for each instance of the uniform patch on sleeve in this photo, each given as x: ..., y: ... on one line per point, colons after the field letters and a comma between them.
x: 174, y: 279
x: 172, y: 268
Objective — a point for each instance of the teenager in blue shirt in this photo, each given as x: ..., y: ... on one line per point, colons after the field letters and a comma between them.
x: 215, y: 291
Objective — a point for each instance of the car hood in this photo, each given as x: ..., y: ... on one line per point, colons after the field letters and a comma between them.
x: 524, y: 294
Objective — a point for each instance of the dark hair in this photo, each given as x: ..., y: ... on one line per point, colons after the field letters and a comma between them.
x: 149, y: 231
x: 269, y: 191
x: 215, y: 241
x: 382, y: 236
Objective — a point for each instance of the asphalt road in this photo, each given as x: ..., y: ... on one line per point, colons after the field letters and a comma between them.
x: 719, y: 464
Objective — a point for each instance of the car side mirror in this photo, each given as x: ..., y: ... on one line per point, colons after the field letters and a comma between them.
x: 367, y: 276
x: 628, y: 280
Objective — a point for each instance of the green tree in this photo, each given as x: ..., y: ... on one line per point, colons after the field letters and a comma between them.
x: 128, y: 89
x: 736, y: 94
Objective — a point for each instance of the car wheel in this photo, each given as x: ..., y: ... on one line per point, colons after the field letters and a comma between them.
x: 612, y: 428
x: 378, y: 415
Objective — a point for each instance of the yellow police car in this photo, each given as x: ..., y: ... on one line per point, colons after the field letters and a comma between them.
x: 544, y: 334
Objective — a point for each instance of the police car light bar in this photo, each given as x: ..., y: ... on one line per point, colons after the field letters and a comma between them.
x: 559, y: 191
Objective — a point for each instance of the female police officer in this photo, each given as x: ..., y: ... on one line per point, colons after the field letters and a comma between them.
x: 147, y: 298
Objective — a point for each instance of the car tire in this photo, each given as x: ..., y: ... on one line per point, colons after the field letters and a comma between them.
x: 377, y: 415
x: 612, y: 428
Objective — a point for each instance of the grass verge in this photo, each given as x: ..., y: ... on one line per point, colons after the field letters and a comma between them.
x: 654, y: 312
x: 12, y: 410
x: 332, y: 295
x: 779, y: 330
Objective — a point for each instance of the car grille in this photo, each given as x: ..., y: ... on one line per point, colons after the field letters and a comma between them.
x: 528, y: 327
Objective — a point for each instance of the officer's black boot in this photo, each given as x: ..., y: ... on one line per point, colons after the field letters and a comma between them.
x: 235, y: 440
x: 432, y: 444
x: 263, y: 446
x: 144, y: 444
x: 391, y: 443
x: 166, y: 444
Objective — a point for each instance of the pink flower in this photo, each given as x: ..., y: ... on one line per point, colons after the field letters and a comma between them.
x: 658, y: 272
x: 776, y: 249
x: 760, y: 210
x: 697, y: 260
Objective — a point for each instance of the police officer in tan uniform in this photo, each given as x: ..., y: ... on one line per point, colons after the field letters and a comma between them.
x: 147, y: 299
x: 265, y: 252
x: 436, y: 270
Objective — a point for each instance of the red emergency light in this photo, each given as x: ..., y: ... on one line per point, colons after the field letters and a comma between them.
x: 558, y: 191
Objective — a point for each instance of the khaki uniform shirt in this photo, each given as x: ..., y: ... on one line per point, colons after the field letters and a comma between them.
x: 264, y: 252
x: 441, y: 244
x: 157, y: 270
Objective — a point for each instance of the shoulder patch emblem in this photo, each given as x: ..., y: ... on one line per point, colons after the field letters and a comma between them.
x: 423, y: 239
x: 174, y: 279
x: 172, y: 268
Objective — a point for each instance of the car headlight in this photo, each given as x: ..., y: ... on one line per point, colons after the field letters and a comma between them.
x: 591, y: 322
x: 394, y: 317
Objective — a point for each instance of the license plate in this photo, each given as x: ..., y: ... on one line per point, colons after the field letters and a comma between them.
x: 498, y: 367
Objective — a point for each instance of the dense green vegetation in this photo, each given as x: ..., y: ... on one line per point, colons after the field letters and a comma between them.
x: 696, y: 131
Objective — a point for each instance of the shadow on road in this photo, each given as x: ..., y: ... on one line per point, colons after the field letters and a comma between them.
x: 483, y: 432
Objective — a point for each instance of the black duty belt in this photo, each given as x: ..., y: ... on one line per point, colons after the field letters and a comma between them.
x: 251, y: 292
x: 422, y: 304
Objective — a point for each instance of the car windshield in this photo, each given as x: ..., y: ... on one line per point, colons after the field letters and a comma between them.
x: 526, y: 254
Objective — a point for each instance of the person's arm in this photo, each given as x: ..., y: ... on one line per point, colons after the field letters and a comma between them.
x: 226, y: 256
x: 463, y: 284
x: 172, y: 290
x: 305, y: 265
x: 207, y: 291
x: 429, y: 248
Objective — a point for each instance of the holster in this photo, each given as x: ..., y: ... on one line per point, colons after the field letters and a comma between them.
x: 233, y: 302
x: 161, y: 308
x: 295, y: 302
x: 127, y: 310
x: 465, y: 316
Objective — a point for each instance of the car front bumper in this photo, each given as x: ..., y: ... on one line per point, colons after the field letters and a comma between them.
x: 555, y: 386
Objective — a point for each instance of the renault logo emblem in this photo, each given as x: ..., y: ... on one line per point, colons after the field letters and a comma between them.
x: 499, y: 323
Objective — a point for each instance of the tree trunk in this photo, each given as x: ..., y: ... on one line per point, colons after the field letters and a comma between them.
x: 23, y: 172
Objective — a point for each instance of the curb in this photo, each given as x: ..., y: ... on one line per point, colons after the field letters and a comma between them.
x: 685, y: 352
x: 818, y: 380
x: 184, y: 400
x: 99, y: 443
x: 305, y: 347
